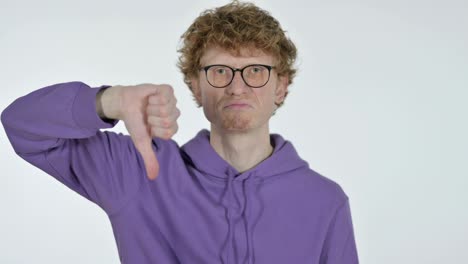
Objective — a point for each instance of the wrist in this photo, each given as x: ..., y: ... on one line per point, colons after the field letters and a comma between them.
x: 108, y: 102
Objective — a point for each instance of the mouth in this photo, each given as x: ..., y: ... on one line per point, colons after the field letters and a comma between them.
x: 237, y: 106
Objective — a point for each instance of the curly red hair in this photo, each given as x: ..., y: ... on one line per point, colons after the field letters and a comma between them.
x: 233, y: 27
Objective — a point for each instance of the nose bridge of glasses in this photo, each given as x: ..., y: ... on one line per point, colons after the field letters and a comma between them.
x: 241, y: 76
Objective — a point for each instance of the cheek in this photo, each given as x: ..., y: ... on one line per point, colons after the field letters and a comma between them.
x: 267, y: 100
x: 208, y: 100
x: 209, y: 104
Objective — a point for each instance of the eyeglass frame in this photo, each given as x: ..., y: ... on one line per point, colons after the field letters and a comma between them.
x: 241, y: 70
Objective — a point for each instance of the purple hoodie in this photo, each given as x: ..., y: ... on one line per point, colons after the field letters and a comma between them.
x: 199, y: 209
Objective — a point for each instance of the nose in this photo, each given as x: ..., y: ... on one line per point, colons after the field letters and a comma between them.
x: 237, y: 86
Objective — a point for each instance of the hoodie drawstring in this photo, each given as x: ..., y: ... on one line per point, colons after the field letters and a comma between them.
x: 234, y: 213
x: 226, y: 202
x: 250, y: 184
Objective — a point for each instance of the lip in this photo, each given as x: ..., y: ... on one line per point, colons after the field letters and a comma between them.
x: 237, y: 105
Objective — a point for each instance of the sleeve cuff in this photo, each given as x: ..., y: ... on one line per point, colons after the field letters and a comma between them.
x: 84, y: 109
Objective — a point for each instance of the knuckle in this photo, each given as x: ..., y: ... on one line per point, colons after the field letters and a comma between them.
x: 166, y: 123
x: 166, y: 88
x: 169, y: 88
x: 163, y: 112
x: 163, y: 100
x: 153, y: 99
x: 150, y: 119
x: 149, y: 109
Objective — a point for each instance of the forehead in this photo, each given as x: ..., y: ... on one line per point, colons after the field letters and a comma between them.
x: 217, y: 55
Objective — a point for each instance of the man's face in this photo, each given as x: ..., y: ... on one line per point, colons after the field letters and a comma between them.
x: 238, y: 107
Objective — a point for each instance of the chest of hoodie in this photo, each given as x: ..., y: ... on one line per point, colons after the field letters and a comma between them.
x: 203, y: 217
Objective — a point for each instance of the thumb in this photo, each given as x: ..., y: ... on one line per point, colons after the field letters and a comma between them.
x: 144, y: 146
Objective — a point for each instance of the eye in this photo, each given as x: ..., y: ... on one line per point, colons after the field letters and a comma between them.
x: 257, y: 69
x: 220, y: 71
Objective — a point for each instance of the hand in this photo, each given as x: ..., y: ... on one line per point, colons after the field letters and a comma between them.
x: 148, y: 110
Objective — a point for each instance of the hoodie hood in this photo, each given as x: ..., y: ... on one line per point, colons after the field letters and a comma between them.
x: 200, y: 154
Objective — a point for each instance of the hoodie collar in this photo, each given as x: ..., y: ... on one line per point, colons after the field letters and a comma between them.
x: 203, y: 157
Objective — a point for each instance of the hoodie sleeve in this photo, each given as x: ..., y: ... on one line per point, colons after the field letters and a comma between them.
x: 56, y: 129
x: 340, y: 246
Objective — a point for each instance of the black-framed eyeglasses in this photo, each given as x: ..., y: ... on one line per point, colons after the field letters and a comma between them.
x: 254, y: 75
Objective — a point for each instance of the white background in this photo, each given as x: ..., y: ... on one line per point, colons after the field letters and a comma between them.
x: 379, y: 105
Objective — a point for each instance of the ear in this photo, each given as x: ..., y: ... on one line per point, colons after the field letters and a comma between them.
x: 281, y: 89
x: 194, y: 82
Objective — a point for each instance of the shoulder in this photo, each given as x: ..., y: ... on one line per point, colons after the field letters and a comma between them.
x: 323, y: 187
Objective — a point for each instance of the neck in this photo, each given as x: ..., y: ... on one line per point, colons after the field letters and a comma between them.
x: 242, y: 150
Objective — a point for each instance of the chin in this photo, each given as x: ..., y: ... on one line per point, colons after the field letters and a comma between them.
x: 237, y: 122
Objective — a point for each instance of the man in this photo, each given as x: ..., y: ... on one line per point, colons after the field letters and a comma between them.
x: 232, y: 194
